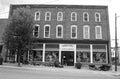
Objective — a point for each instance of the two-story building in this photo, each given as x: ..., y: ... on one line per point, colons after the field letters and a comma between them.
x: 70, y: 33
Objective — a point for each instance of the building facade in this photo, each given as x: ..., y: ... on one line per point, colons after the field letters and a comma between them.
x: 3, y: 24
x: 70, y: 33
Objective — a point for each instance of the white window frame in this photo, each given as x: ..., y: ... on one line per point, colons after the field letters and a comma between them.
x: 97, y: 17
x: 84, y: 33
x: 96, y: 34
x: 61, y: 31
x: 84, y: 17
x: 74, y: 13
x: 46, y: 13
x: 45, y: 29
x: 76, y: 31
x: 36, y: 17
x: 60, y: 18
x: 38, y: 30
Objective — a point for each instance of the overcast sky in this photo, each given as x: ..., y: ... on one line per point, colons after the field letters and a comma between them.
x: 113, y: 5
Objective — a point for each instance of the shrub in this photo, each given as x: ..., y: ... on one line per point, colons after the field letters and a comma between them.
x: 78, y: 65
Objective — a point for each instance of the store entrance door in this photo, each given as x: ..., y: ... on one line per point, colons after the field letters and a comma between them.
x: 67, y: 58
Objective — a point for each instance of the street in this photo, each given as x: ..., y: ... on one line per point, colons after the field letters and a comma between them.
x: 11, y: 73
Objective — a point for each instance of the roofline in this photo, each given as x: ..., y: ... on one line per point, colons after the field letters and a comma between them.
x: 60, y: 6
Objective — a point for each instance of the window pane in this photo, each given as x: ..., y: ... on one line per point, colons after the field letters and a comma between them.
x: 36, y: 28
x: 98, y: 32
x: 47, y: 31
x: 35, y: 55
x: 99, y: 57
x: 50, y: 56
x: 60, y: 16
x: 83, y: 56
x: 59, y: 31
x: 48, y: 16
x: 74, y: 32
x: 86, y: 32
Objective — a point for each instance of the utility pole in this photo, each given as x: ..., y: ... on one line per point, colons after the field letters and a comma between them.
x: 116, y: 42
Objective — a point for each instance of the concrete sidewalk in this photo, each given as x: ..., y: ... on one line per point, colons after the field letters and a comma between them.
x: 69, y: 69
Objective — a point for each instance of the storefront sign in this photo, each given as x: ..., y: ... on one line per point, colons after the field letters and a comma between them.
x: 67, y: 47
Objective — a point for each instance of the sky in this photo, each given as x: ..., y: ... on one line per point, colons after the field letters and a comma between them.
x: 113, y: 7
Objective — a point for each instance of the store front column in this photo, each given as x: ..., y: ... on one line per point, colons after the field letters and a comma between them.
x: 91, y: 53
x: 75, y: 56
x: 43, y: 58
x: 59, y: 55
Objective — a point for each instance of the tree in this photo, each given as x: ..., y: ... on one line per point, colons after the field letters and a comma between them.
x: 18, y: 34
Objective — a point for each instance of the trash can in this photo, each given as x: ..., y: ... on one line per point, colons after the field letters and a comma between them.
x: 1, y: 61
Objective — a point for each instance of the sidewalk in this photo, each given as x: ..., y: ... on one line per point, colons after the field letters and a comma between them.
x: 65, y: 69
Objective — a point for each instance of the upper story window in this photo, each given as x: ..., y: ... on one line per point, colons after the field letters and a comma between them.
x: 97, y: 17
x: 36, y: 31
x: 37, y: 16
x: 73, y: 16
x: 73, y: 31
x: 86, y: 32
x: 60, y: 16
x: 47, y: 31
x: 48, y: 16
x: 59, y: 31
x: 85, y: 17
x: 98, y: 32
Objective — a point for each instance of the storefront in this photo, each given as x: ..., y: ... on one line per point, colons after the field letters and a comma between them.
x: 68, y: 54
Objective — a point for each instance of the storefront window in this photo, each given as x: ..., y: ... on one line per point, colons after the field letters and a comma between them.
x: 99, y: 57
x: 51, y: 55
x: 35, y: 55
x: 83, y: 56
x: 99, y: 54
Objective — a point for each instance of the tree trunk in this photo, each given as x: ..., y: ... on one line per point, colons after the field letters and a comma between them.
x: 19, y: 55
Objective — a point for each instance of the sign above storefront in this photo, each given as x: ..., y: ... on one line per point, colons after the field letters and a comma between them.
x: 68, y: 47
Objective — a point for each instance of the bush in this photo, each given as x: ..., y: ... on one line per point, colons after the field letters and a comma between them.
x: 78, y: 65
x: 57, y: 64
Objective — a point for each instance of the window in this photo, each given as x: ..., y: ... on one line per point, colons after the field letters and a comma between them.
x: 86, y: 32
x: 73, y: 31
x: 99, y: 53
x: 59, y: 31
x: 36, y: 31
x: 47, y: 31
x: 47, y: 16
x: 97, y: 17
x: 98, y: 32
x: 37, y: 16
x: 85, y: 17
x: 73, y: 16
x: 83, y: 53
x: 59, y: 16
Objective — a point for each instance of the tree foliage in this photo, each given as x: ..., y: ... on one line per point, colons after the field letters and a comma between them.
x: 18, y: 34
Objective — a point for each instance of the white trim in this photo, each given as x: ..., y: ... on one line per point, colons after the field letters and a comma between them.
x: 96, y: 35
x: 48, y: 13
x: 47, y: 25
x: 61, y: 17
x: 97, y: 17
x: 61, y: 31
x: 74, y: 16
x: 43, y: 58
x: 35, y: 18
x: 88, y: 30
x: 91, y: 53
x: 84, y: 17
x: 76, y: 31
x: 106, y: 55
x: 36, y: 25
x: 59, y: 54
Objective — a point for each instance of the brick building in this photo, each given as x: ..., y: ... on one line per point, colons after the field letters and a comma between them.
x: 70, y: 33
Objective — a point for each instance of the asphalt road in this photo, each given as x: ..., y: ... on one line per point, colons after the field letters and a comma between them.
x: 11, y: 73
